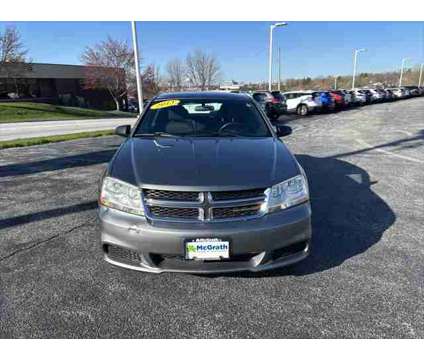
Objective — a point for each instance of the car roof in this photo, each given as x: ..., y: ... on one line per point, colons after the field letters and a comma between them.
x: 210, y: 95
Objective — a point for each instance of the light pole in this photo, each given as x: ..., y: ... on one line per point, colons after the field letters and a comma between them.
x: 335, y: 82
x: 137, y: 68
x: 279, y: 69
x: 271, y: 28
x: 355, y: 59
x: 421, y: 74
x: 401, y: 70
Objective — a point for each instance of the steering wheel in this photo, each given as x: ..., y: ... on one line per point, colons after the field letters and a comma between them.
x: 230, y: 124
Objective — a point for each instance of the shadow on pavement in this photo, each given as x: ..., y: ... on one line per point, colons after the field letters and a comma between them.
x: 47, y: 214
x: 348, y: 217
x: 66, y: 162
x: 404, y: 143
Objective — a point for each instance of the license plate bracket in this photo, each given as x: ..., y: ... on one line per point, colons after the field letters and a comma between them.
x: 207, y: 249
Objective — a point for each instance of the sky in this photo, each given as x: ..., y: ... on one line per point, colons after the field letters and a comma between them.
x: 307, y: 48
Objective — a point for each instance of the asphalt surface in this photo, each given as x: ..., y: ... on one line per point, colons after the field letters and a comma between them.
x: 365, y: 277
x: 22, y: 130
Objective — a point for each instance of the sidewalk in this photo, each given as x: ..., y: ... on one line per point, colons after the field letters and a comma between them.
x: 23, y: 130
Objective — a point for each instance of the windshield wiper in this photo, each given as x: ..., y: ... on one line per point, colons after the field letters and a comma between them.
x: 157, y: 134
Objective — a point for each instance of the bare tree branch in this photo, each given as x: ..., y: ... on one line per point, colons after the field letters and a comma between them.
x: 176, y: 72
x: 13, y: 60
x: 110, y: 65
x: 202, y: 69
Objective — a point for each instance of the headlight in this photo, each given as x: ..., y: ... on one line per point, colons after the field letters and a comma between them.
x: 287, y: 193
x: 120, y: 195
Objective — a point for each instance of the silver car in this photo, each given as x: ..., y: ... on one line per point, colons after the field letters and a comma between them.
x: 204, y: 184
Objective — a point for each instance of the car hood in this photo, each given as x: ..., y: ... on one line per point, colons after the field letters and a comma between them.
x: 203, y: 163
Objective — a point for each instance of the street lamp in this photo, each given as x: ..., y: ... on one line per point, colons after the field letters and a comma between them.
x: 421, y: 74
x: 401, y: 71
x: 137, y: 68
x: 355, y: 59
x: 271, y: 28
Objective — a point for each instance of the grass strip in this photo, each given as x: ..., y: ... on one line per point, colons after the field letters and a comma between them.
x: 52, y: 139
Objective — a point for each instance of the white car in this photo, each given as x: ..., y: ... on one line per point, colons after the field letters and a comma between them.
x: 376, y: 96
x: 302, y: 102
x: 359, y: 96
x: 398, y: 93
x: 347, y: 97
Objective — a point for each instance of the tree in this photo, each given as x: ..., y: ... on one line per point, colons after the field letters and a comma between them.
x: 13, y: 60
x: 110, y: 65
x: 176, y: 72
x: 202, y: 69
x: 151, y: 80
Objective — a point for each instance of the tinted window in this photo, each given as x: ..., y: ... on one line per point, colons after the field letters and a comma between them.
x: 198, y: 118
x: 261, y: 97
x: 278, y: 95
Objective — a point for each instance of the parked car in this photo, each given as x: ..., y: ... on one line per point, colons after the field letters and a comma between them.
x: 414, y: 91
x: 376, y: 96
x: 406, y: 91
x: 348, y: 100
x: 338, y: 98
x: 390, y: 95
x: 367, y: 94
x: 204, y: 184
x: 384, y: 95
x: 327, y: 102
x: 302, y: 102
x: 398, y: 93
x: 274, y: 105
x: 359, y: 97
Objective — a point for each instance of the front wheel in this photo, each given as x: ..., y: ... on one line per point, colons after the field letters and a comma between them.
x: 302, y: 110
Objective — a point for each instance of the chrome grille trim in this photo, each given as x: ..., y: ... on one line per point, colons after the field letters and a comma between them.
x: 205, y: 207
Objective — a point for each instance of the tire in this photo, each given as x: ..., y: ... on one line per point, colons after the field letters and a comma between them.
x: 302, y: 110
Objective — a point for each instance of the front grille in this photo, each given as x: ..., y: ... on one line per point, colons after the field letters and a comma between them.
x: 237, y: 211
x: 236, y: 195
x: 122, y: 255
x: 171, y: 195
x: 168, y: 212
x: 159, y: 259
x: 203, y: 206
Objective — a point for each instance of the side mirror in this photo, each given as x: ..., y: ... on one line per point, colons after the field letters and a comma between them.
x: 123, y: 130
x: 283, y: 130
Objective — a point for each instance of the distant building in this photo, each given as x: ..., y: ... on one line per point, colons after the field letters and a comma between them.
x: 52, y: 83
x: 232, y: 86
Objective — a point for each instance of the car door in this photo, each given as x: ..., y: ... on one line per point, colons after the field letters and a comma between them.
x: 292, y: 100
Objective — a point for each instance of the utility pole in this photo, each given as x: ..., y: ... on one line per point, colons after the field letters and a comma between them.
x: 335, y: 82
x: 271, y: 29
x: 137, y: 68
x: 421, y: 74
x: 401, y: 71
x: 355, y: 59
x: 279, y: 69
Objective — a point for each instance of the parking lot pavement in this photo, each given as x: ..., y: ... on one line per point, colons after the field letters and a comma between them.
x: 365, y: 277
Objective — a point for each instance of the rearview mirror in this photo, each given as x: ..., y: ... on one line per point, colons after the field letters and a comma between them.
x: 283, y: 130
x: 123, y: 130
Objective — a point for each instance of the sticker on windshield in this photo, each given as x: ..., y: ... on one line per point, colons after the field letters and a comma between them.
x: 164, y: 104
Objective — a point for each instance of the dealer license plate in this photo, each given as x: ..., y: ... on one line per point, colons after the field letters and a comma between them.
x: 207, y: 249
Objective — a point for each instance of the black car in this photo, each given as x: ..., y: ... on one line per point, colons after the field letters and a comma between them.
x: 273, y: 103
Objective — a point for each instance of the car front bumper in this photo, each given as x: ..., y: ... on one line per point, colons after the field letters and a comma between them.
x: 274, y: 240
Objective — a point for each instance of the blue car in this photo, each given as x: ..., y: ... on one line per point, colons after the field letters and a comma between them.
x: 326, y: 101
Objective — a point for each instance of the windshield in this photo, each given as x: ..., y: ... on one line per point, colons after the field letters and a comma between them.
x: 203, y: 118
